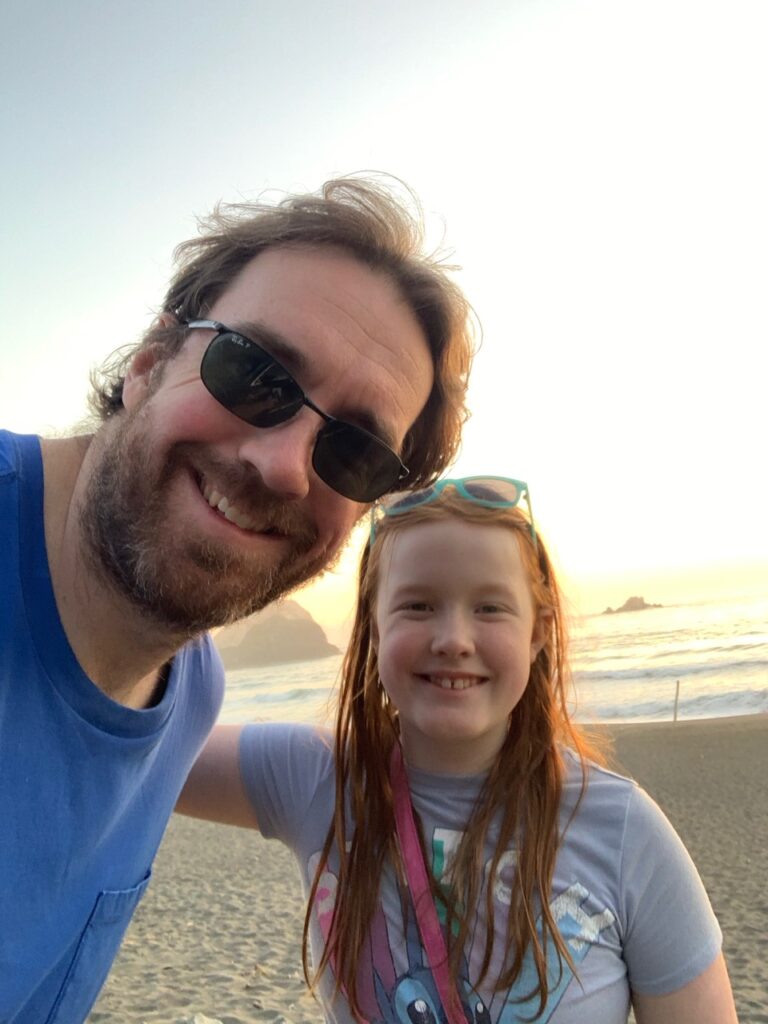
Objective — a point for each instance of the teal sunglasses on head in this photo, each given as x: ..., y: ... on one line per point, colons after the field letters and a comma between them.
x: 489, y: 491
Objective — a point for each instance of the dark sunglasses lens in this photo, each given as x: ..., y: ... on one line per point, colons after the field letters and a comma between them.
x: 502, y: 491
x: 353, y: 462
x: 248, y: 382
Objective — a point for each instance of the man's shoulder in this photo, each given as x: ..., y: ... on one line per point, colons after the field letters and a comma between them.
x: 24, y: 455
x: 11, y: 447
x: 201, y: 674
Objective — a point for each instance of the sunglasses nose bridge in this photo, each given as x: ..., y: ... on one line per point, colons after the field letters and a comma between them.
x: 324, y: 416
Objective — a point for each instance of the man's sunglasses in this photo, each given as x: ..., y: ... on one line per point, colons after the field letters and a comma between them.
x: 489, y: 491
x: 251, y: 384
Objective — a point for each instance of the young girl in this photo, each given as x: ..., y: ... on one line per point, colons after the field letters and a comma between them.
x: 554, y: 890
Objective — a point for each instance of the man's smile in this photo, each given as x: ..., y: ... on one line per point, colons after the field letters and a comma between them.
x: 230, y: 511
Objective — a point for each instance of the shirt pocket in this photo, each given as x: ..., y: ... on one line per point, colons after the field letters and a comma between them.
x: 95, y: 952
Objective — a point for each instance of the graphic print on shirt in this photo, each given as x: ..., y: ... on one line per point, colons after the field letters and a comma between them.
x: 396, y: 984
x: 413, y: 999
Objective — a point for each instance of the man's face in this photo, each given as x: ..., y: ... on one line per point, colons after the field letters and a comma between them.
x: 358, y: 352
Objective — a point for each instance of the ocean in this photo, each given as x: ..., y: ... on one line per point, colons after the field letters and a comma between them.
x: 626, y: 668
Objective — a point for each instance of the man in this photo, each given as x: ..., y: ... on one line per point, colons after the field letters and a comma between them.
x: 307, y: 359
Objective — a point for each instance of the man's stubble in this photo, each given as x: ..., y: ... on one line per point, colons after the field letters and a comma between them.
x: 186, y: 584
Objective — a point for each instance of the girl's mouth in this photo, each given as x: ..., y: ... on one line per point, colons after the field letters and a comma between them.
x: 454, y: 682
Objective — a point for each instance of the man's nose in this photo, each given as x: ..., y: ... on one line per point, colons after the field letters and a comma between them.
x: 453, y: 636
x: 283, y: 454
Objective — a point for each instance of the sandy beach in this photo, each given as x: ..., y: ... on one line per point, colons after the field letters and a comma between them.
x: 217, y: 935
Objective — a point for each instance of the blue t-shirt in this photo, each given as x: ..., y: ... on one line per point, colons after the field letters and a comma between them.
x: 86, y: 785
x: 625, y: 894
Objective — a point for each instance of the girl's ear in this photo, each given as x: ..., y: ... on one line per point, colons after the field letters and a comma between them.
x: 541, y: 631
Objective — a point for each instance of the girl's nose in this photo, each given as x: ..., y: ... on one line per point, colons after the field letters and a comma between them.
x: 453, y: 635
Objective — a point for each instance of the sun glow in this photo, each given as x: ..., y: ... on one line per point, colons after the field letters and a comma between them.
x: 596, y: 169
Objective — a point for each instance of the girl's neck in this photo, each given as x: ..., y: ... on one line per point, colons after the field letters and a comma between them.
x: 448, y: 757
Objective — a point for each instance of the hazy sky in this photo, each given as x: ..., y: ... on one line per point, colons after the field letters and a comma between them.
x: 597, y: 168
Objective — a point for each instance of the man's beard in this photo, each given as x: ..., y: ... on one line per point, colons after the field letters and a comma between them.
x: 185, y: 584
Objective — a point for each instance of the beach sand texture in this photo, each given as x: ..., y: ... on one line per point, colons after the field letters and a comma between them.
x: 218, y: 933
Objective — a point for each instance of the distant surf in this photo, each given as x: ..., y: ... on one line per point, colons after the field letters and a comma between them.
x: 625, y: 668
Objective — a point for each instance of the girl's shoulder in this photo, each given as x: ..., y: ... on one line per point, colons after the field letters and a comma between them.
x: 296, y: 737
x: 594, y: 794
x: 608, y: 804
x: 288, y: 774
x: 292, y: 754
x: 595, y: 775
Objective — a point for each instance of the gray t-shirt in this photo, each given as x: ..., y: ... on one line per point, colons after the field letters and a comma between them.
x: 626, y: 896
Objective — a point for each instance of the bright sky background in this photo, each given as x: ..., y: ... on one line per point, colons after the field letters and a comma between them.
x: 598, y: 169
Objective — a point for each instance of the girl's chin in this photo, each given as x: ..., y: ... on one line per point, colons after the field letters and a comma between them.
x: 449, y: 752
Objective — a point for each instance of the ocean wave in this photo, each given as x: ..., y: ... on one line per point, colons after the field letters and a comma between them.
x: 651, y: 650
x: 669, y: 672
x: 719, y: 705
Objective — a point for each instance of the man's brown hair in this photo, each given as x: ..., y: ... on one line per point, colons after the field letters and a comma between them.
x: 362, y: 217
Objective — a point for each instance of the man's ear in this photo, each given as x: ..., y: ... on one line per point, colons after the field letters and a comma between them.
x: 541, y: 631
x: 137, y: 386
x: 142, y: 375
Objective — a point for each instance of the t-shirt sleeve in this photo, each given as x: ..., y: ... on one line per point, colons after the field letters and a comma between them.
x: 672, y: 934
x: 285, y: 768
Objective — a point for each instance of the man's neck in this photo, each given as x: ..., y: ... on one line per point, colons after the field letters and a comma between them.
x: 117, y: 647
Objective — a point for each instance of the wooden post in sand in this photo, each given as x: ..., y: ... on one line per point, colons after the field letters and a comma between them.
x: 677, y: 698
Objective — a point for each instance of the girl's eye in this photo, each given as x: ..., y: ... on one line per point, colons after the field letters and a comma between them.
x: 415, y: 607
x: 491, y: 609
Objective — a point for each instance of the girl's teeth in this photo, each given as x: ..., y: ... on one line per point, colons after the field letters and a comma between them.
x: 454, y: 684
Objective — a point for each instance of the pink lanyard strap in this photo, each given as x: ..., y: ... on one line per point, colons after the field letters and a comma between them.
x: 421, y: 895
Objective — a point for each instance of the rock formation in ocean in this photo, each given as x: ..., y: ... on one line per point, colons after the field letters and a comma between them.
x: 632, y: 604
x: 282, y: 632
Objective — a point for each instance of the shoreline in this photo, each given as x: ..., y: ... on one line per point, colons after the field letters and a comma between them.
x: 218, y: 933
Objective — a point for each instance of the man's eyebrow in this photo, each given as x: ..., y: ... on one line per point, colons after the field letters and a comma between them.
x: 276, y: 344
x: 298, y: 364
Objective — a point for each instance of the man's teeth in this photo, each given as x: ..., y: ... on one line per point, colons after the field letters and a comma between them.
x: 231, y: 512
x: 454, y: 684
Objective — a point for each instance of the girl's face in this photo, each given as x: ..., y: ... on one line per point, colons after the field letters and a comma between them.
x: 457, y: 634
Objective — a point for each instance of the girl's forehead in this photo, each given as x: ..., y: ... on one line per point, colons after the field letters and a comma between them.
x: 449, y: 549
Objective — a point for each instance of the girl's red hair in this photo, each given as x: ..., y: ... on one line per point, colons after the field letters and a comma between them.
x: 522, y: 791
